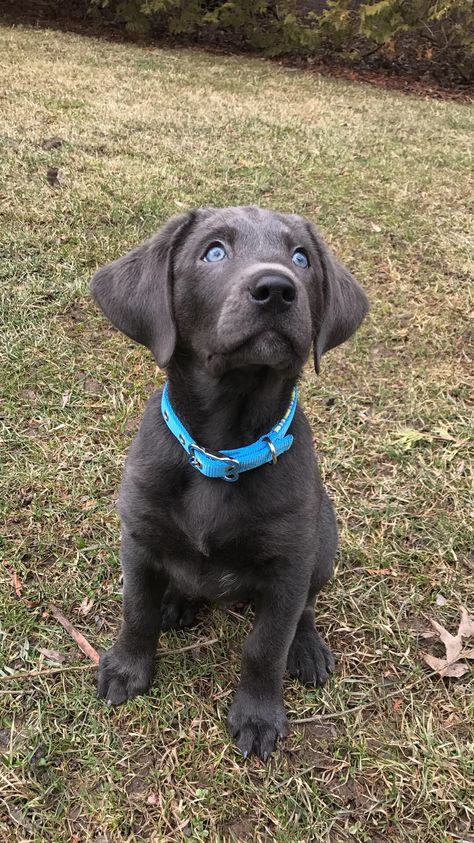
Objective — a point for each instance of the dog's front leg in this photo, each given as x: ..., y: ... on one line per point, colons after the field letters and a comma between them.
x: 126, y: 670
x: 257, y: 716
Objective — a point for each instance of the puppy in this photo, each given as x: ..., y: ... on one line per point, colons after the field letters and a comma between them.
x: 221, y: 499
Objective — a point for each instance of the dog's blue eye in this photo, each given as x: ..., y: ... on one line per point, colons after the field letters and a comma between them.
x: 215, y: 253
x: 300, y: 259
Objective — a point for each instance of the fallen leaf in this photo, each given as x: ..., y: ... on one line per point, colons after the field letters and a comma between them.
x: 387, y: 572
x: 16, y: 581
x: 391, y: 50
x: 442, y: 666
x: 88, y: 504
x: 466, y: 627
x: 452, y: 666
x: 52, y: 655
x: 86, y: 605
x: 452, y: 643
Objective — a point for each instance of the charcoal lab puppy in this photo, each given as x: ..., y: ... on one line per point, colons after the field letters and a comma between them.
x: 230, y: 302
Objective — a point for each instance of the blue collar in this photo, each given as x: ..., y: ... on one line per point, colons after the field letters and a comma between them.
x: 229, y: 464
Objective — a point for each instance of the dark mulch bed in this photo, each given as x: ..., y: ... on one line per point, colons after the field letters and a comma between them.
x: 396, y: 79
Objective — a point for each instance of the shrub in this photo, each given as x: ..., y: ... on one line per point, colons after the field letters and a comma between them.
x: 443, y: 30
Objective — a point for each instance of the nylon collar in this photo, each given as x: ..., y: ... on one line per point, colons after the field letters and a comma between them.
x: 228, y: 465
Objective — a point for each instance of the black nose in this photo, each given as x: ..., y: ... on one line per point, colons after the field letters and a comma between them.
x: 274, y: 292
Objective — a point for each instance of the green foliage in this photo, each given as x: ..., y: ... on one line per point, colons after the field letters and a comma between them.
x: 337, y: 25
x: 383, y: 20
x: 445, y: 27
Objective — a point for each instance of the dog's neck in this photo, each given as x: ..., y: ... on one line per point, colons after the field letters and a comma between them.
x: 232, y: 410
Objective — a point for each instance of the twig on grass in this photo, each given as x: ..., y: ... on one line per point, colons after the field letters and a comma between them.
x: 49, y: 671
x: 344, y: 712
x: 16, y: 692
x: 206, y: 643
x: 234, y: 614
x: 80, y: 640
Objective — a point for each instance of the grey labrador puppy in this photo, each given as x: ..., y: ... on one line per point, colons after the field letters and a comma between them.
x: 230, y: 302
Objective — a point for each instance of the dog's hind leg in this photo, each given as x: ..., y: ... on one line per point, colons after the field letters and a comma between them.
x: 178, y: 611
x: 309, y: 659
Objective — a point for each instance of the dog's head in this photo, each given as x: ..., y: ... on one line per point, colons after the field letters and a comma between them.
x: 235, y: 287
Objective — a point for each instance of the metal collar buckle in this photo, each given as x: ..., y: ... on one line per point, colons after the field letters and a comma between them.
x: 231, y: 471
x: 193, y: 459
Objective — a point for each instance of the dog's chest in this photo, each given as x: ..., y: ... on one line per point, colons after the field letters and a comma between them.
x: 212, y: 514
x: 230, y: 540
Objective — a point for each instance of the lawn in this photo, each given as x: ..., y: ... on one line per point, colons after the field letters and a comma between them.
x: 148, y: 132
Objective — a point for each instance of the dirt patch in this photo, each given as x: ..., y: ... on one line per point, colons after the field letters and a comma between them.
x: 240, y: 829
x: 314, y: 748
x: 246, y: 830
x: 351, y: 792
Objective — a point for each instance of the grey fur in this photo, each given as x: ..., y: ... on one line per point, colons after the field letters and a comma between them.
x: 234, y: 337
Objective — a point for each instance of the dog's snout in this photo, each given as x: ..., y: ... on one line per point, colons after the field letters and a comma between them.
x: 273, y: 291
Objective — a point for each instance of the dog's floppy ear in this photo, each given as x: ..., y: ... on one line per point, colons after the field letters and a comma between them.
x: 135, y: 291
x: 344, y: 304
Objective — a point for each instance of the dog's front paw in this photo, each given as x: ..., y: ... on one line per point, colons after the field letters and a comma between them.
x: 310, y: 660
x: 255, y: 726
x: 123, y: 676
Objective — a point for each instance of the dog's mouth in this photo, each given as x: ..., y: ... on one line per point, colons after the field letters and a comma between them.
x: 265, y: 348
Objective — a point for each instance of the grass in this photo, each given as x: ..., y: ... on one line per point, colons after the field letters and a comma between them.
x: 147, y: 133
